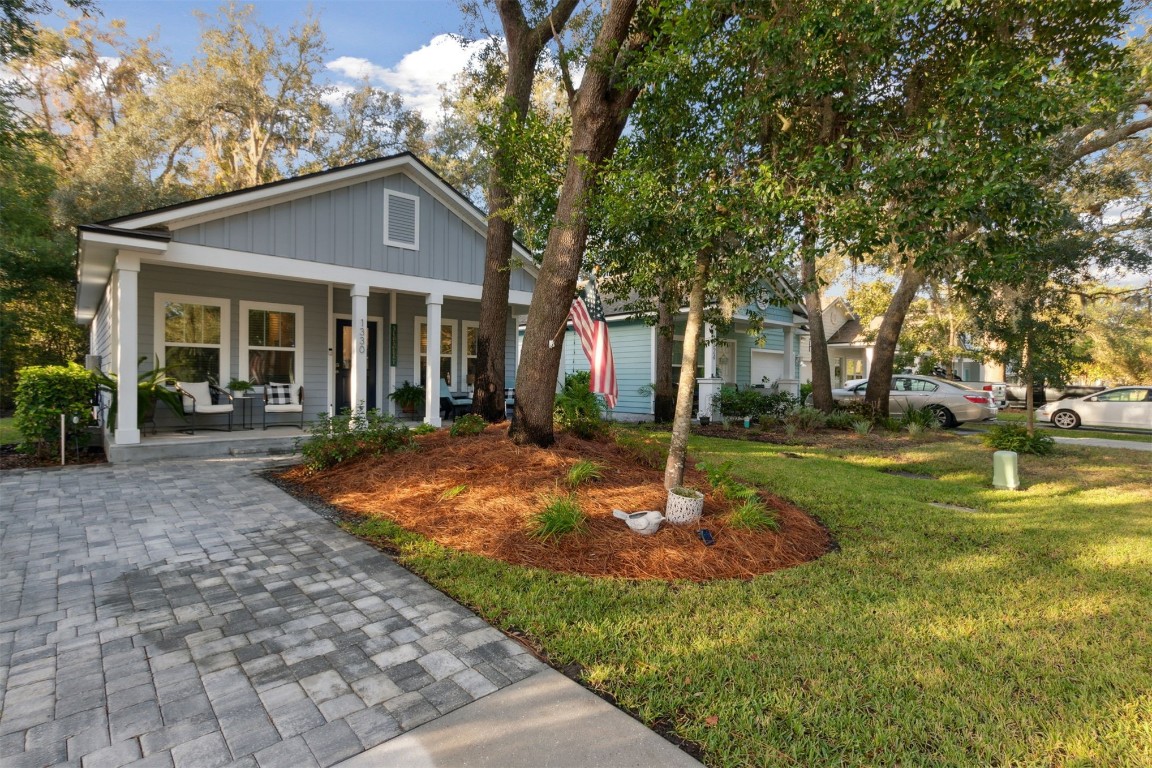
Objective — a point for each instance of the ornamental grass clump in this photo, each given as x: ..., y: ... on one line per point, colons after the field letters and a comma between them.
x: 560, y: 516
x: 753, y: 515
x: 916, y: 421
x: 584, y: 471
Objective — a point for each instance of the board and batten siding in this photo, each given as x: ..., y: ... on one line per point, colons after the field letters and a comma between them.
x: 312, y: 341
x: 345, y: 227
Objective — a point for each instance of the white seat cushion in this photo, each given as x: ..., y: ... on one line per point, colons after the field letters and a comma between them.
x: 197, y: 394
x: 284, y: 408
x: 223, y: 408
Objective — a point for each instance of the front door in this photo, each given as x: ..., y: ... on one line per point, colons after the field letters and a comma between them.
x: 344, y: 351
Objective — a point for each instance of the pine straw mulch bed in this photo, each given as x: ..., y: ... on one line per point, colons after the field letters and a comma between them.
x: 507, y: 484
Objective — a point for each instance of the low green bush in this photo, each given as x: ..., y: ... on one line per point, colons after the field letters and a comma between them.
x: 734, y: 403
x: 1015, y: 437
x: 43, y: 392
x: 754, y: 515
x: 839, y: 419
x: 862, y: 426
x: 577, y: 408
x: 919, y: 420
x: 806, y: 419
x: 423, y: 428
x: 561, y: 515
x: 468, y: 424
x: 346, y: 436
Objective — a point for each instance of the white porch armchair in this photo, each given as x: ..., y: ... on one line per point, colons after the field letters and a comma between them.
x: 202, y: 398
x: 283, y: 398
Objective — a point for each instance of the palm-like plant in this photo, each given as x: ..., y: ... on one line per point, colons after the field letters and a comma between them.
x: 151, y: 387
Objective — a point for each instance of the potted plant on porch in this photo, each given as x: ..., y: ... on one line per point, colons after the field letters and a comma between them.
x: 409, y: 397
x: 151, y: 387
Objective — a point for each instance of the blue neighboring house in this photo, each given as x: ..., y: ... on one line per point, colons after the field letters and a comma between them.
x: 769, y: 358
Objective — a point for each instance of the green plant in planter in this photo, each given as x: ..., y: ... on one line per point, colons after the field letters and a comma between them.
x: 239, y: 385
x: 151, y: 388
x: 409, y: 397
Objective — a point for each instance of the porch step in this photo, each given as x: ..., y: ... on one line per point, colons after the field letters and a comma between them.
x: 205, y: 445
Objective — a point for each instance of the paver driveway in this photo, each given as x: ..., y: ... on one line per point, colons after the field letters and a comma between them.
x: 191, y: 613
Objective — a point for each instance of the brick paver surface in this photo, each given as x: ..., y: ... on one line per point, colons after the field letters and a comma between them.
x: 192, y: 614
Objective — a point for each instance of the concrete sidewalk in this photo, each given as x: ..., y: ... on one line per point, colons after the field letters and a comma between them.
x: 191, y: 614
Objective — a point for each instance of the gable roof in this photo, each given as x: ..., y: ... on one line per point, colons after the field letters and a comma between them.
x: 150, y: 231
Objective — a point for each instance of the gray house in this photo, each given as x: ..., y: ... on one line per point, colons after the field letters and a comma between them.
x: 328, y: 281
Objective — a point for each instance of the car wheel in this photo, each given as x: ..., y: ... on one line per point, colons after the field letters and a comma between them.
x: 944, y: 416
x: 1065, y: 419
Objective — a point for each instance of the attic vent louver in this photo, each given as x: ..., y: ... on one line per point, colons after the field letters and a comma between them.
x: 401, y: 214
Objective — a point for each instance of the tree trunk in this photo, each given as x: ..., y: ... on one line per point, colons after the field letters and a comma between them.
x: 682, y: 423
x: 664, y: 407
x: 821, y: 370
x: 1029, y: 387
x: 524, y: 48
x: 599, y: 112
x: 884, y: 355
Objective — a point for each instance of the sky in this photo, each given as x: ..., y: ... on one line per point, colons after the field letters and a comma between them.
x: 404, y: 46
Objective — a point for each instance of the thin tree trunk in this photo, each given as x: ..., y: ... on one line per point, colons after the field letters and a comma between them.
x: 821, y: 370
x: 1029, y: 387
x: 600, y: 110
x: 884, y: 356
x: 682, y: 422
x: 524, y: 47
x: 664, y: 406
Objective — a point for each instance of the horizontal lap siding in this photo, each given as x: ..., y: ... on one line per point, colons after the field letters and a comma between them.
x: 236, y: 288
x: 345, y: 227
x: 632, y: 354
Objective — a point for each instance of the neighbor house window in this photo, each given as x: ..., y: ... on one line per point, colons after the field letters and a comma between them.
x: 270, y: 342
x: 191, y: 335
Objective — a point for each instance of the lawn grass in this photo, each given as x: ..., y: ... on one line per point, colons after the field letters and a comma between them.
x: 9, y: 435
x: 1017, y: 633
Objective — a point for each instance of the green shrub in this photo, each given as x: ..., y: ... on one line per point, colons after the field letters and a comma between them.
x: 844, y: 420
x: 583, y: 471
x: 779, y: 404
x: 577, y: 408
x: 1015, y: 437
x: 43, y: 392
x: 805, y: 390
x: 468, y: 424
x: 346, y: 436
x: 806, y: 419
x: 858, y: 408
x: 561, y: 515
x: 423, y: 428
x: 862, y: 426
x: 754, y: 515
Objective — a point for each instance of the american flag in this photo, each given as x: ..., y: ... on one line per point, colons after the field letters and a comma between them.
x: 588, y: 320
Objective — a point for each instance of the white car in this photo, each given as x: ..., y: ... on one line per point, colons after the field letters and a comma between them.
x: 953, y: 402
x: 1124, y: 407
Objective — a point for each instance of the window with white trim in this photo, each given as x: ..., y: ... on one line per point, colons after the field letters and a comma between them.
x: 401, y: 220
x: 448, y: 346
x: 191, y: 336
x: 271, y: 348
x: 471, y: 332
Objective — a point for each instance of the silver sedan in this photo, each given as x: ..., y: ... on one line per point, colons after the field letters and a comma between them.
x: 1124, y: 407
x: 951, y: 401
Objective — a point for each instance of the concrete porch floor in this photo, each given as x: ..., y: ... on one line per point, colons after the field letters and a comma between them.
x: 206, y: 443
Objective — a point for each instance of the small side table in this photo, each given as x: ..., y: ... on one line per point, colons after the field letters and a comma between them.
x: 246, y: 408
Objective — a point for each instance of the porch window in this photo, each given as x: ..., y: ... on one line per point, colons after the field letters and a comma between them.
x: 270, y: 342
x: 192, y: 336
x: 447, y: 350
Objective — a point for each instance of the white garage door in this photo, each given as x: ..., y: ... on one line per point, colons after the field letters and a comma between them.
x: 765, y: 363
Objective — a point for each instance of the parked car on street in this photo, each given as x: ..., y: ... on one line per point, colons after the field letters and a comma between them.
x: 953, y: 402
x: 1124, y: 407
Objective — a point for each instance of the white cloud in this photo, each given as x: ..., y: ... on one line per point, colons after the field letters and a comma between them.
x: 418, y: 76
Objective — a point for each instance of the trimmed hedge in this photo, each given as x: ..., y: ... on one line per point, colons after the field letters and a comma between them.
x: 43, y: 392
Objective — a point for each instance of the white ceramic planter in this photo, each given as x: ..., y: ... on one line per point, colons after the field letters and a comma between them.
x: 685, y: 506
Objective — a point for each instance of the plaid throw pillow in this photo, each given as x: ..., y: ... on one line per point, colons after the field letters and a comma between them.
x: 279, y: 394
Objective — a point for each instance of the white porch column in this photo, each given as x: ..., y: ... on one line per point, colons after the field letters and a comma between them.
x: 127, y: 278
x: 788, y: 381
x: 359, y: 374
x: 868, y: 360
x: 709, y: 352
x: 435, y: 305
x: 392, y: 329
